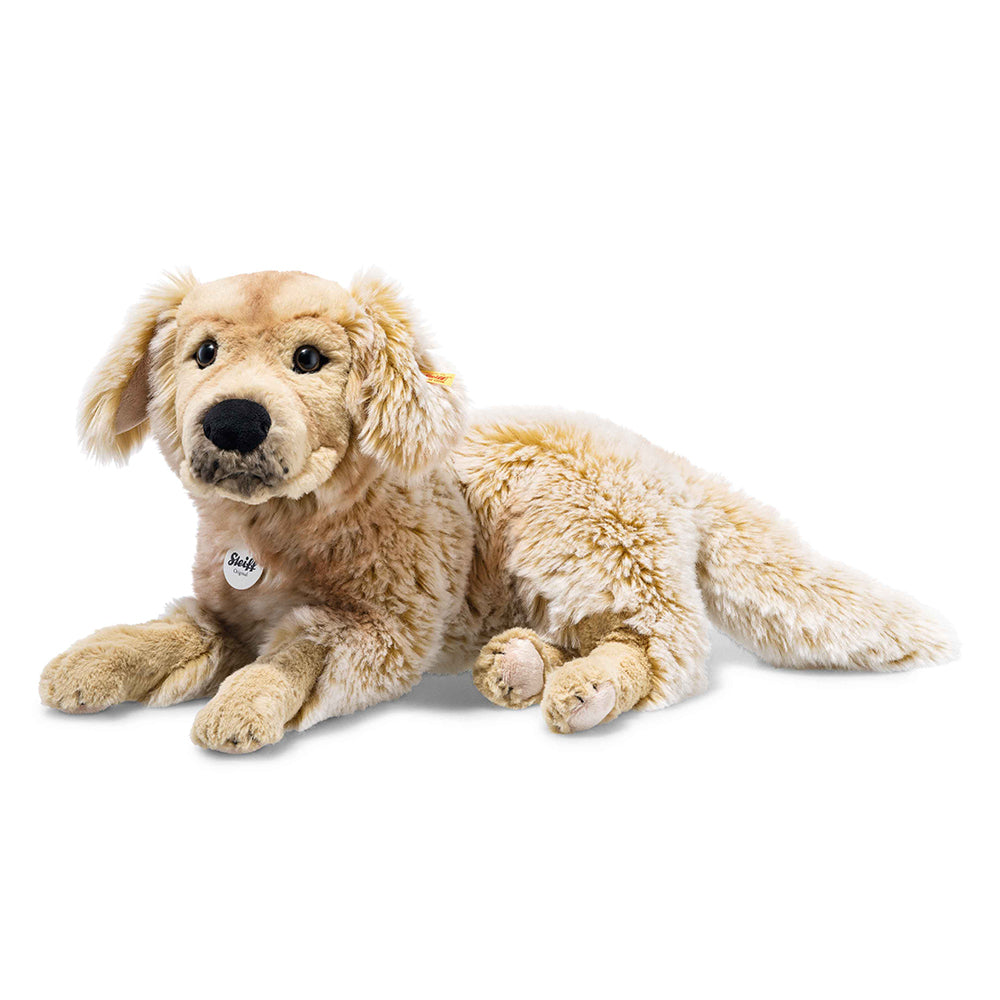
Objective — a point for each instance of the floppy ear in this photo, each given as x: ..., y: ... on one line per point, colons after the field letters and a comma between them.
x: 411, y: 417
x: 113, y: 420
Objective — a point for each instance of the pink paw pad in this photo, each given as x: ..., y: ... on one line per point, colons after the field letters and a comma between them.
x: 593, y: 709
x: 521, y: 668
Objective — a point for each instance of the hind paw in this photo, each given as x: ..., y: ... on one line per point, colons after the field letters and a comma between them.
x: 510, y: 671
x: 575, y: 699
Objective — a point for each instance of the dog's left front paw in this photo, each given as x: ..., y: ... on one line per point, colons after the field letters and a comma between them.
x: 244, y: 716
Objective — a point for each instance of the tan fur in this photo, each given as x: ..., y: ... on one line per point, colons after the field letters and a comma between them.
x: 255, y: 704
x: 182, y: 655
x: 580, y: 563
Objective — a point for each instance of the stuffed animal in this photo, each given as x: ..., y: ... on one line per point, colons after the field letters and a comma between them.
x: 356, y: 530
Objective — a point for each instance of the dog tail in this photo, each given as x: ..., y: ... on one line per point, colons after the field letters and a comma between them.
x: 764, y: 587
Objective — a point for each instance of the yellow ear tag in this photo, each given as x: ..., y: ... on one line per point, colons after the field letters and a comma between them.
x: 438, y: 378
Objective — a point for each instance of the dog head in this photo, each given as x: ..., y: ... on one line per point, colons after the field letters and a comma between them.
x: 264, y: 385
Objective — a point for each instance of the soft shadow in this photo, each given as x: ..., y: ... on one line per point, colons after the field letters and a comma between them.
x: 107, y: 715
x: 447, y: 692
x: 434, y: 693
x: 724, y: 654
x: 457, y: 693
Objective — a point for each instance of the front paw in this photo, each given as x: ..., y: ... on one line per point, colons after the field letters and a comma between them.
x: 248, y: 713
x: 84, y: 679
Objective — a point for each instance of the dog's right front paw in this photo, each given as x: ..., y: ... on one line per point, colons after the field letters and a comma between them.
x: 84, y: 679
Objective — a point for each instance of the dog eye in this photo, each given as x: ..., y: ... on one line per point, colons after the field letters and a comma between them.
x: 308, y: 359
x: 205, y: 354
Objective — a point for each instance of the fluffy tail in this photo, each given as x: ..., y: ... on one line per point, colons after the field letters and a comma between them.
x: 764, y: 587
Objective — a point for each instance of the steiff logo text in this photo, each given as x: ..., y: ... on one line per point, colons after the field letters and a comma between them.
x: 243, y: 562
x: 241, y: 569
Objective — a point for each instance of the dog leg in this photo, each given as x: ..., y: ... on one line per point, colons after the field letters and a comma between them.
x: 612, y: 678
x: 254, y: 705
x: 319, y: 663
x: 512, y: 667
x: 180, y: 656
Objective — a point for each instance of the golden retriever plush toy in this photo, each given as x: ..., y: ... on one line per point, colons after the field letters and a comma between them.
x: 356, y: 531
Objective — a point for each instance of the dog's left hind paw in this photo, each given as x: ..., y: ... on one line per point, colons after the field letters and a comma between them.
x: 510, y: 670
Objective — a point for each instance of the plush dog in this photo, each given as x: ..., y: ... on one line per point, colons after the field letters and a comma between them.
x: 355, y: 532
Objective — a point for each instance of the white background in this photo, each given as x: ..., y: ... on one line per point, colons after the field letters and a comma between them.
x: 763, y: 235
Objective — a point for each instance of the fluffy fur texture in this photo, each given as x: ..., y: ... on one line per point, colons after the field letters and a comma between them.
x: 573, y: 563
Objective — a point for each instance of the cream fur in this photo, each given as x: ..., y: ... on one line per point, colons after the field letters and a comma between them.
x: 581, y: 563
x: 109, y: 429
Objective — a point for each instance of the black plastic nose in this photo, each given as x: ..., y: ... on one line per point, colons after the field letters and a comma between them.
x: 236, y: 425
